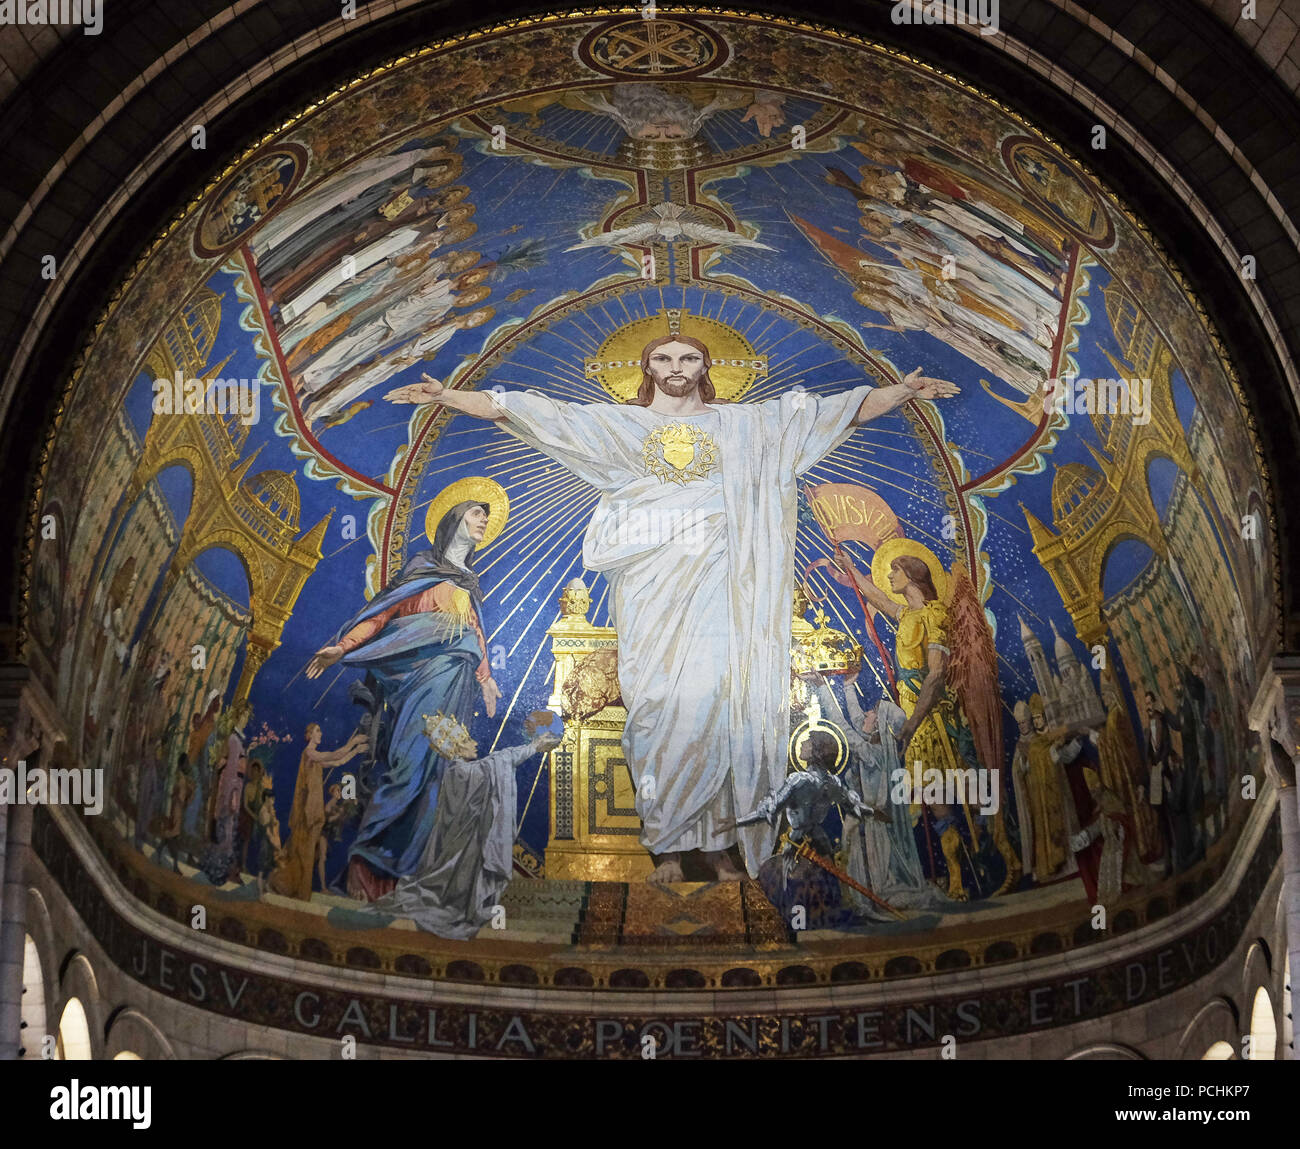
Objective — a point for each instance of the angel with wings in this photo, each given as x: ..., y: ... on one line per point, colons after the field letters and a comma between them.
x: 668, y: 223
x: 948, y: 689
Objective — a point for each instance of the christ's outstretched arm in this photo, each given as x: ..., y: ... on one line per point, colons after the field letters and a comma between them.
x: 474, y: 403
x: 882, y: 400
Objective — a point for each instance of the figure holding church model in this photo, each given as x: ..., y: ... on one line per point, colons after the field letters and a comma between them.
x: 703, y: 626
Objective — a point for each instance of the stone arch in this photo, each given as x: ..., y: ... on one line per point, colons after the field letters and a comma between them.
x: 41, y: 933
x: 77, y: 979
x: 1256, y: 971
x: 1263, y: 1026
x: 34, y: 1015
x: 131, y: 1031
x: 1106, y: 1051
x: 75, y: 1041
x: 1216, y: 1020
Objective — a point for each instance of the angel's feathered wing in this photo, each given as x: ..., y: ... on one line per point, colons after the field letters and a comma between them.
x: 637, y: 234
x: 973, y: 668
x: 705, y: 234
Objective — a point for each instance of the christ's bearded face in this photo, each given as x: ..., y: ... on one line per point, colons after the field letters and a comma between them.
x: 676, y: 368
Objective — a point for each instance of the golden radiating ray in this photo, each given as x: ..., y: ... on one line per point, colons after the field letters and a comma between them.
x: 387, y: 427
x: 570, y: 369
x: 523, y: 681
x: 496, y: 543
x: 1024, y: 606
x: 777, y: 342
x: 621, y: 300
x: 570, y: 378
x: 1021, y: 527
x: 546, y: 527
x: 528, y: 172
x: 877, y: 429
x: 878, y: 472
x: 544, y: 522
x: 844, y: 461
x: 1023, y: 682
x: 554, y: 183
x: 795, y: 365
x: 561, y: 390
x: 478, y: 427
x: 333, y: 683
x: 600, y: 334
x: 878, y: 482
x: 526, y: 526
x: 453, y: 454
x: 501, y: 170
x: 569, y: 524
x: 820, y: 189
x: 537, y: 512
x: 572, y: 375
x: 774, y: 388
x: 533, y: 518
x: 528, y: 468
x: 550, y: 598
x: 879, y: 447
x: 611, y: 324
x: 846, y: 617
x: 519, y: 587
x: 716, y: 126
x: 339, y: 550
x: 583, y: 352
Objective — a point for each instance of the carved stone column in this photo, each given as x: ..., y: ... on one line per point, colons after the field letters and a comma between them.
x: 27, y: 722
x: 1275, y: 715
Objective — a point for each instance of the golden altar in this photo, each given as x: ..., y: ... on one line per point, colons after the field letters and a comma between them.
x: 595, y: 830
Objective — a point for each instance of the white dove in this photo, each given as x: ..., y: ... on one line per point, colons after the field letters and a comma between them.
x: 671, y: 226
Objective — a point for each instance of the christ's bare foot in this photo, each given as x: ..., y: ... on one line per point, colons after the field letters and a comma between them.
x: 724, y: 869
x: 668, y: 870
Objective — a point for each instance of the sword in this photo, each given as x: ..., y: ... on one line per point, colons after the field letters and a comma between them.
x: 804, y: 850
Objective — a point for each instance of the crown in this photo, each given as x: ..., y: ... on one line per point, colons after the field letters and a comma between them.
x: 820, y: 647
x: 446, y: 733
x: 678, y: 434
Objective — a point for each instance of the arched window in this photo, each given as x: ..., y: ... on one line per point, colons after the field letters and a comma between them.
x: 35, y: 1022
x: 1219, y: 1051
x: 127, y: 1055
x: 74, y: 1033
x: 1263, y: 1028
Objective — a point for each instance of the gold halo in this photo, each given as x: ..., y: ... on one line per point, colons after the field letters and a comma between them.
x: 800, y: 735
x: 727, y: 347
x: 475, y: 489
x: 891, y: 549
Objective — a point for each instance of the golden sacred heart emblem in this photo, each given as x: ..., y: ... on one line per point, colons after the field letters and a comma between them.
x: 680, y: 455
x: 688, y: 451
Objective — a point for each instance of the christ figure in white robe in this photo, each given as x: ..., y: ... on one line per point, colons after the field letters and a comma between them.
x: 694, y: 533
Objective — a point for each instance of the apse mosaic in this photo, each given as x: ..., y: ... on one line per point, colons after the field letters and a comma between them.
x: 708, y: 466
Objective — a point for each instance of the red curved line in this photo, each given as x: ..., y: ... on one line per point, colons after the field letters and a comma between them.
x: 373, y: 484
x: 1058, y: 351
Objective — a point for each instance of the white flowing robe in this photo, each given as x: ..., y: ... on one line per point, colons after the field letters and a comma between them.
x: 701, y: 578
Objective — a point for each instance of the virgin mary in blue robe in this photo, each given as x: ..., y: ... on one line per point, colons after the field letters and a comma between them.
x: 423, y: 659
